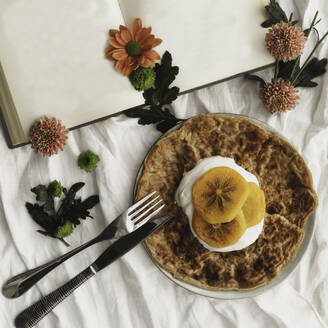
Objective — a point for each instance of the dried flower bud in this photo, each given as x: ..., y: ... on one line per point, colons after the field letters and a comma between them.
x: 279, y: 96
x: 285, y: 41
x: 47, y: 136
x: 88, y: 161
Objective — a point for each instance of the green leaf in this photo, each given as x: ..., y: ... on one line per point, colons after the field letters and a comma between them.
x: 166, y: 125
x: 74, y: 189
x: 43, y: 196
x: 47, y: 222
x: 41, y: 193
x: 154, y: 115
x: 161, y: 94
x: 157, y: 97
x: 80, y: 210
x: 314, y: 69
x: 285, y: 69
x: 90, y: 202
x: 71, y: 210
x: 68, y: 200
x: 255, y: 78
x: 276, y: 14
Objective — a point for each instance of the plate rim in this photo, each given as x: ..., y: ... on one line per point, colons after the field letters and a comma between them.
x: 242, y: 293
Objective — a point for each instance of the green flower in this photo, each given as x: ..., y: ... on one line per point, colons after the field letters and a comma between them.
x: 143, y: 78
x: 55, y: 188
x: 65, y: 230
x: 88, y: 161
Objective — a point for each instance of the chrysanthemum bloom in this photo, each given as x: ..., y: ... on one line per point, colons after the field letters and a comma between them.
x: 132, y: 47
x: 88, y: 161
x: 48, y: 135
x: 285, y: 41
x: 279, y: 96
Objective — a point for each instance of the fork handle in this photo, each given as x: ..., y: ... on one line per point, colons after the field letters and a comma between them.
x: 34, y: 313
x: 19, y: 284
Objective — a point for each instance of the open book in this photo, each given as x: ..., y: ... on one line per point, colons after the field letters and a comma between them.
x: 52, y: 53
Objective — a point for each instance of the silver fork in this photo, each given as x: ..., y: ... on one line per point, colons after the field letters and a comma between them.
x: 131, y: 219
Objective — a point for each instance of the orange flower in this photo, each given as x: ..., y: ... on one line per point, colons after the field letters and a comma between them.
x: 132, y: 47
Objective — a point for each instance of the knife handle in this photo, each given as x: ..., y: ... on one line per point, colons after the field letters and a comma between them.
x: 34, y: 313
x: 21, y: 283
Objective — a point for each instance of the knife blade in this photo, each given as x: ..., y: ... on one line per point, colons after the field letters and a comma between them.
x: 34, y: 313
x: 126, y: 243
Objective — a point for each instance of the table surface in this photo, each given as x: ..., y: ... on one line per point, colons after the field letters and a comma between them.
x: 132, y: 292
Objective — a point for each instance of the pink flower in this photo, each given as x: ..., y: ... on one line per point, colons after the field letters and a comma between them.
x: 48, y: 135
x: 285, y: 41
x: 279, y: 96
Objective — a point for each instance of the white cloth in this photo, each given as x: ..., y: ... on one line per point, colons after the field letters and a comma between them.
x: 132, y: 292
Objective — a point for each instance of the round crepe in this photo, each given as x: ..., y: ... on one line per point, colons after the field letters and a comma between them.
x: 283, y: 176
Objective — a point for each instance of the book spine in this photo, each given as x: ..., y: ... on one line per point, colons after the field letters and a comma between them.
x: 11, y: 123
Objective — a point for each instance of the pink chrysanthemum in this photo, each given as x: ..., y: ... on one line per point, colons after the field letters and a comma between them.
x: 285, y: 41
x: 48, y: 135
x: 279, y: 96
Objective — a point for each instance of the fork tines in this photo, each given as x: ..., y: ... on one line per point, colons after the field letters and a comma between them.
x: 146, y: 208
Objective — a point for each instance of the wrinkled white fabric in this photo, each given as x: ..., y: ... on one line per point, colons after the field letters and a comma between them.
x: 132, y: 292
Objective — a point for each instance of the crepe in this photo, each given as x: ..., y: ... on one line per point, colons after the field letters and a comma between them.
x: 282, y: 174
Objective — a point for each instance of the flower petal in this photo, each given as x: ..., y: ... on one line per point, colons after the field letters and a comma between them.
x: 148, y: 43
x: 151, y: 54
x: 143, y: 34
x: 122, y: 28
x: 120, y: 55
x: 136, y: 26
x: 119, y: 65
x: 126, y: 36
x: 127, y: 70
x: 147, y: 62
x: 118, y: 38
x: 109, y: 52
x: 112, y: 32
x: 141, y: 59
x: 156, y: 42
x: 114, y: 43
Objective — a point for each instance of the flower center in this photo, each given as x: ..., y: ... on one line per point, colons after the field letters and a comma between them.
x: 278, y: 100
x: 46, y: 136
x: 285, y: 44
x: 133, y: 48
x: 218, y: 192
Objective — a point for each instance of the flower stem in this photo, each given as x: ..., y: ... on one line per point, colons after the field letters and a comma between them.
x: 312, y: 24
x: 306, y: 34
x: 290, y: 17
x: 308, y: 59
x: 65, y: 242
x: 276, y: 69
x: 294, y: 68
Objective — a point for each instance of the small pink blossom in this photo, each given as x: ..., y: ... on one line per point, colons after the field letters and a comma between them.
x: 48, y: 135
x: 285, y: 41
x: 279, y: 96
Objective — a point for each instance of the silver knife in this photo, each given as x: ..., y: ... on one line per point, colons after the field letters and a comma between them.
x: 34, y: 313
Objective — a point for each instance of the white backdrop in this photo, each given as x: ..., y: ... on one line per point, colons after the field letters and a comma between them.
x: 132, y: 292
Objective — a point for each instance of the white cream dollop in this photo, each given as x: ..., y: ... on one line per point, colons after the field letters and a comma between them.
x: 183, y: 197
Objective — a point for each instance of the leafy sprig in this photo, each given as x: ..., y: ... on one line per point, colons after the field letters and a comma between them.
x: 299, y: 76
x: 156, y: 109
x: 275, y: 13
x: 59, y: 224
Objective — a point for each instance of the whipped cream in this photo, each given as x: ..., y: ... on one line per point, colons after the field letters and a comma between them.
x: 183, y: 197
